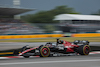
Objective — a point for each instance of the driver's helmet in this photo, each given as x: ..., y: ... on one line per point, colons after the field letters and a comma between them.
x: 60, y: 41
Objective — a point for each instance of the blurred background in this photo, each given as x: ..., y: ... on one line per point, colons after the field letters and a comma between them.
x: 21, y: 17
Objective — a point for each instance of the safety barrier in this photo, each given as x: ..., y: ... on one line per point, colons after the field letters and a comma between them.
x: 50, y: 35
x: 30, y: 36
x: 86, y: 35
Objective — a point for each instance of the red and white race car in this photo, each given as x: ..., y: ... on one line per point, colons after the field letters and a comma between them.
x: 61, y: 47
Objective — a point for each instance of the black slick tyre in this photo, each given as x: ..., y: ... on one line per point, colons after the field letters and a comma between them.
x: 84, y: 50
x: 44, y: 51
x: 26, y: 56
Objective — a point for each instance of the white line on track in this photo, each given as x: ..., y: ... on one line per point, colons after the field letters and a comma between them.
x: 49, y: 62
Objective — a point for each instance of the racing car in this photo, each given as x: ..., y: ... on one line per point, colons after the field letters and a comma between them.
x: 61, y: 47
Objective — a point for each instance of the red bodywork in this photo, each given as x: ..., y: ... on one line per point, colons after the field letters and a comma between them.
x: 70, y: 47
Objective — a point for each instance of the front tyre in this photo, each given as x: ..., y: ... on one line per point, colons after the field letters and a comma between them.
x: 26, y: 56
x: 84, y: 50
x: 44, y: 51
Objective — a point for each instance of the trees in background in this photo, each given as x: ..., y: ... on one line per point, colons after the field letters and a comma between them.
x: 48, y: 16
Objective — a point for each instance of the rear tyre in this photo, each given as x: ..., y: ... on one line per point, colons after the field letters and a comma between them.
x: 44, y: 51
x: 84, y: 50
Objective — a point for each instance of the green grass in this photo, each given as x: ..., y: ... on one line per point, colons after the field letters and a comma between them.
x: 70, y: 39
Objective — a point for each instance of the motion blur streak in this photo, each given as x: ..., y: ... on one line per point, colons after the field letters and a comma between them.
x: 49, y: 61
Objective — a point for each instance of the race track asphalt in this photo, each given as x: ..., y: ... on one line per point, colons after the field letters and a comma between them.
x: 65, y: 61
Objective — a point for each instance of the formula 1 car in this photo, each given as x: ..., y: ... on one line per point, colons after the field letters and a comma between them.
x: 61, y: 47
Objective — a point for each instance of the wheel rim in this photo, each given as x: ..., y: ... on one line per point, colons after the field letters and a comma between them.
x: 86, y: 50
x: 45, y: 51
